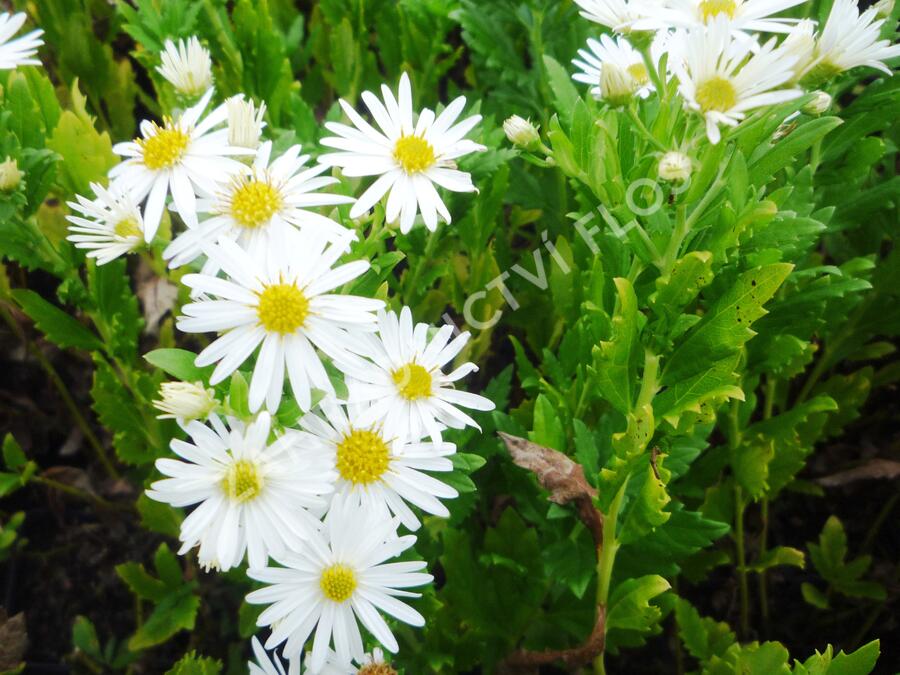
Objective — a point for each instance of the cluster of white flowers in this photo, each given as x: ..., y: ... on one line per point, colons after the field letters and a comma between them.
x: 316, y: 511
x: 715, y: 53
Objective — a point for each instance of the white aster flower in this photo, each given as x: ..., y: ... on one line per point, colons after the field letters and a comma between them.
x: 18, y: 52
x: 374, y: 664
x: 674, y: 166
x: 618, y: 15
x: 720, y: 77
x: 339, y: 578
x: 800, y: 44
x: 408, y: 156
x: 245, y: 122
x: 109, y: 225
x: 522, y: 132
x: 623, y: 56
x: 281, y: 302
x: 743, y: 16
x: 184, y: 156
x: 849, y: 39
x: 252, y: 496
x: 270, y: 665
x: 377, y: 471
x: 187, y: 66
x: 409, y: 393
x: 185, y: 401
x: 272, y: 194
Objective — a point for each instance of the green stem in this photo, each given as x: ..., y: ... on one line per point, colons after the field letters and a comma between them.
x: 653, y: 73
x: 64, y: 394
x: 606, y: 559
x: 649, y: 384
x: 678, y: 235
x: 80, y: 494
x: 768, y: 409
x: 741, y: 560
x: 645, y: 132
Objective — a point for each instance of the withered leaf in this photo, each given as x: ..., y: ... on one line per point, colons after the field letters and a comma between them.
x: 875, y: 468
x: 13, y: 640
x: 563, y: 477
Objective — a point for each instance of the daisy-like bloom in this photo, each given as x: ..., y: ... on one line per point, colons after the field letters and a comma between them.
x: 245, y: 122
x: 849, y: 39
x: 378, y: 471
x: 722, y: 79
x: 618, y: 15
x: 281, y: 302
x: 109, y: 225
x: 408, y: 156
x: 743, y: 16
x: 339, y: 578
x: 185, y: 401
x: 618, y: 53
x: 370, y: 664
x: 187, y: 66
x: 408, y: 392
x: 266, y: 665
x: 253, y: 497
x: 10, y: 174
x: 183, y: 156
x: 18, y: 52
x: 274, y: 194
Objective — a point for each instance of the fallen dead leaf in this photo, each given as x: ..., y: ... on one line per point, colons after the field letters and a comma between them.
x: 157, y: 297
x: 13, y: 640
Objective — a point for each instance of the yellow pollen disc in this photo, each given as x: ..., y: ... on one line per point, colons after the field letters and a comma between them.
x: 242, y: 482
x: 127, y: 228
x: 282, y: 308
x: 376, y: 669
x: 638, y: 72
x: 716, y: 93
x: 413, y: 153
x: 710, y: 9
x: 362, y: 457
x: 254, y: 202
x: 165, y: 147
x: 412, y: 381
x: 338, y: 583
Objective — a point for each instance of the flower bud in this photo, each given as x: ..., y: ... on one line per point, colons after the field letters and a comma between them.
x: 185, y: 401
x: 819, y: 104
x: 674, y: 166
x: 522, y: 132
x: 10, y: 176
x: 245, y: 122
x: 884, y: 8
x: 187, y: 66
x: 616, y: 85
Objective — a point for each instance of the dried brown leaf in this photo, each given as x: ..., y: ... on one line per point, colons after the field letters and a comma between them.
x: 874, y: 468
x: 13, y: 640
x: 556, y: 472
x: 157, y: 298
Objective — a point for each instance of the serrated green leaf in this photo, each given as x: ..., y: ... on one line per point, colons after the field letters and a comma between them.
x: 59, y: 327
x: 614, y: 360
x: 178, y: 363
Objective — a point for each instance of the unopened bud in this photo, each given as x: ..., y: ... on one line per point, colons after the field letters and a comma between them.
x: 819, y: 103
x: 185, y: 401
x: 10, y: 176
x: 884, y: 8
x: 521, y: 132
x: 675, y: 166
x: 616, y: 85
x: 245, y: 122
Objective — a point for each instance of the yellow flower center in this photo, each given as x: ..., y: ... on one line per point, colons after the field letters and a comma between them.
x: 413, y: 153
x: 165, y: 147
x: 412, y: 381
x: 362, y: 457
x: 638, y: 72
x: 710, y: 9
x: 716, y: 93
x: 376, y: 669
x: 254, y: 202
x: 243, y: 481
x: 282, y: 308
x: 127, y: 228
x: 338, y: 583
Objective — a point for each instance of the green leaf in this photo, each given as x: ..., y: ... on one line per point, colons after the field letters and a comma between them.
x: 178, y: 363
x: 780, y: 555
x: 548, y: 429
x: 177, y: 611
x: 768, y: 658
x: 782, y: 153
x: 703, y: 637
x: 86, y: 154
x: 630, y: 610
x: 167, y: 567
x: 141, y: 583
x: 239, y: 395
x: 565, y: 95
x: 726, y: 327
x: 159, y: 517
x: 13, y: 455
x: 829, y: 557
x: 614, y: 360
x: 59, y: 327
x: 860, y: 662
x: 116, y: 409
x: 84, y: 637
x: 680, y: 287
x: 191, y: 664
